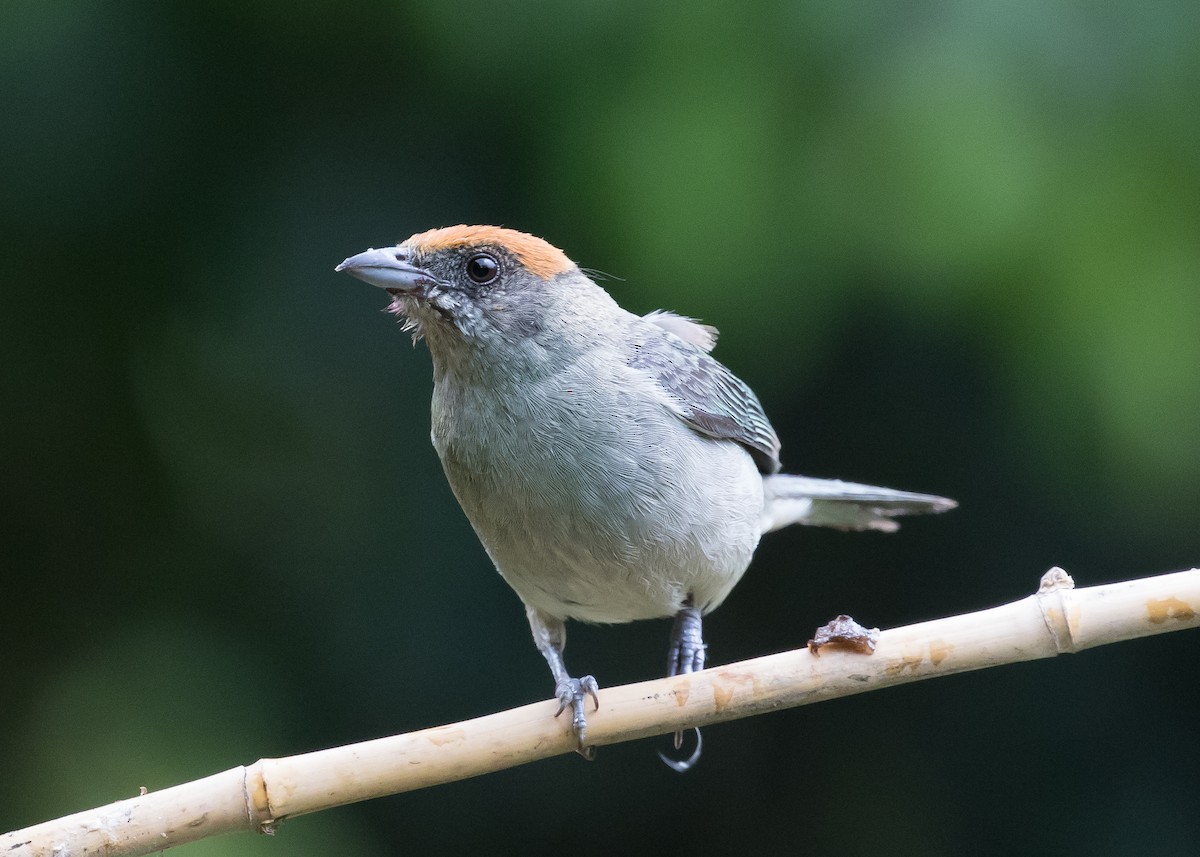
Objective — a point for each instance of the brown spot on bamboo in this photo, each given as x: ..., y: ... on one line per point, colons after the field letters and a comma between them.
x: 899, y: 665
x: 1159, y: 610
x: 938, y: 650
x: 682, y: 691
x: 721, y: 697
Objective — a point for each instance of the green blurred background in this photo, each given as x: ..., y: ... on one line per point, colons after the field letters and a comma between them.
x: 954, y: 246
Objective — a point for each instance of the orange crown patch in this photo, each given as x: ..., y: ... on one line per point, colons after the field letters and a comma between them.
x: 538, y: 257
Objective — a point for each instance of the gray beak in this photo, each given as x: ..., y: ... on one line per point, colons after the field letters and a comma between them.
x: 388, y: 268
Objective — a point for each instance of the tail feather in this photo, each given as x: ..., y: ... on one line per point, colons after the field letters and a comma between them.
x: 843, y: 505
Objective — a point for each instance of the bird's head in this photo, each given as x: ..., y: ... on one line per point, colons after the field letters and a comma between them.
x: 468, y: 282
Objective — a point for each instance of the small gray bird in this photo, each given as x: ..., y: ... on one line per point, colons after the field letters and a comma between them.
x: 611, y: 467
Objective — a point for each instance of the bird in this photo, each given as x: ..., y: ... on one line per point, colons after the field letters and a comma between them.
x: 612, y: 468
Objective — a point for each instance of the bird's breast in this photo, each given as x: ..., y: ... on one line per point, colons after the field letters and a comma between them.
x: 594, y: 501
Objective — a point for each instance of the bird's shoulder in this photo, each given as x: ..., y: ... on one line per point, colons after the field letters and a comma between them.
x: 674, y: 352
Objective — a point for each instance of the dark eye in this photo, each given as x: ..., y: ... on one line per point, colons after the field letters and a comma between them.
x: 482, y: 268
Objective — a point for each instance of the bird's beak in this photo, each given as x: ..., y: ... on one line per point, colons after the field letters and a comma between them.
x: 388, y: 269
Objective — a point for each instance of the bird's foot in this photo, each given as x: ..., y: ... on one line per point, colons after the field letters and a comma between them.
x: 686, y: 655
x: 686, y: 658
x: 573, y: 692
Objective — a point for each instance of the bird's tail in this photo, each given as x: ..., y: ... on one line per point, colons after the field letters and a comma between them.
x: 843, y: 505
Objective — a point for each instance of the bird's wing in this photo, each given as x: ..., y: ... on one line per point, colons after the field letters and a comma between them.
x: 703, y: 393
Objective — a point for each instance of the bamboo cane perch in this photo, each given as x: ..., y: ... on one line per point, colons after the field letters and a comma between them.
x: 1057, y: 619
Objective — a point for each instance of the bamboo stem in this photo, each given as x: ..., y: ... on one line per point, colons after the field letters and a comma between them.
x: 1059, y: 618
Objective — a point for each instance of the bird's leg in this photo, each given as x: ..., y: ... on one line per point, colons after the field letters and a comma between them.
x: 685, y: 655
x: 687, y: 643
x: 550, y: 636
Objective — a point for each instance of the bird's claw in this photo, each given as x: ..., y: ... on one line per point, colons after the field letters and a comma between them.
x: 680, y: 766
x: 574, y: 692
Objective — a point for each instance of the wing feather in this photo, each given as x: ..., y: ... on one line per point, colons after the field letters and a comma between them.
x: 706, y: 395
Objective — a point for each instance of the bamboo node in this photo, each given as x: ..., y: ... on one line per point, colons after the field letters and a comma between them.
x: 1054, y: 586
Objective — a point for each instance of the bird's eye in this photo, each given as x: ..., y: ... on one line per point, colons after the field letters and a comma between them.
x: 482, y: 268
